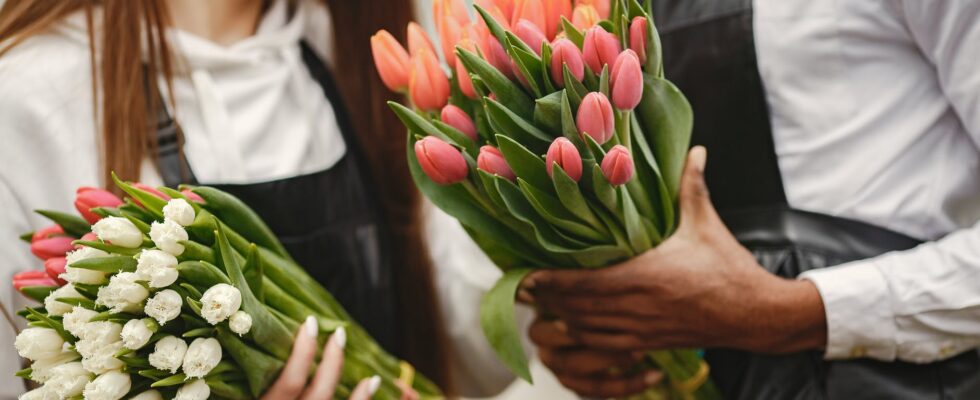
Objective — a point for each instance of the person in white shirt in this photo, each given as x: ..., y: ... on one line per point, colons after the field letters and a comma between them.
x: 839, y: 134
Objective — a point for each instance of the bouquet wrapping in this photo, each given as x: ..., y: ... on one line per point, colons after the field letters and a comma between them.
x: 177, y: 294
x: 555, y: 140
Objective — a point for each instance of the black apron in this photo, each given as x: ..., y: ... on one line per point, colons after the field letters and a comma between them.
x: 709, y: 52
x: 330, y: 221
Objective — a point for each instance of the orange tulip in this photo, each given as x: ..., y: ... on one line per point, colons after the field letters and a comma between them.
x: 449, y: 30
x: 585, y: 16
x: 602, y: 6
x: 428, y: 85
x: 417, y: 39
x: 531, y: 10
x: 391, y: 60
x: 502, y: 17
x: 505, y: 6
x: 553, y: 11
x: 462, y: 76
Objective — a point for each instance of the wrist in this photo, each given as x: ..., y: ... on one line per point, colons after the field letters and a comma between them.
x: 791, y: 317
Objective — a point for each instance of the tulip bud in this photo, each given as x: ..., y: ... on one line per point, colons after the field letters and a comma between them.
x: 87, y: 198
x: 79, y: 275
x: 453, y: 9
x: 564, y: 153
x: 490, y: 160
x: 47, y: 232
x: 149, y: 395
x: 531, y: 11
x: 601, y: 6
x: 530, y: 34
x: 111, y: 385
x: 450, y: 30
x: 427, y: 83
x: 54, y: 267
x: 600, y: 48
x: 494, y: 53
x: 157, y: 267
x: 391, y: 60
x: 504, y: 7
x: 219, y: 302
x: 595, y: 117
x: 168, y: 354
x: 30, y: 274
x: 88, y: 237
x: 457, y: 118
x: 418, y: 39
x: 136, y: 333
x: 164, y: 306
x: 118, y: 231
x: 57, y: 308
x: 196, y: 389
x: 617, y: 165
x: 240, y: 322
x: 440, y: 161
x: 38, y: 343
x: 68, y: 380
x: 626, y: 81
x: 52, y: 247
x: 202, y: 356
x: 32, y: 282
x: 462, y: 76
x: 168, y: 235
x: 585, y: 16
x: 76, y: 319
x: 564, y: 52
x: 192, y: 196
x: 151, y: 190
x: 638, y: 38
x: 123, y: 293
x: 180, y: 211
x: 554, y: 10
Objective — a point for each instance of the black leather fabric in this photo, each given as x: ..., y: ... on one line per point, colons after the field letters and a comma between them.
x: 330, y: 221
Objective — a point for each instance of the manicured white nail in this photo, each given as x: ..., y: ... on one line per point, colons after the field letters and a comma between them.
x: 373, y: 384
x: 311, y: 326
x: 340, y: 337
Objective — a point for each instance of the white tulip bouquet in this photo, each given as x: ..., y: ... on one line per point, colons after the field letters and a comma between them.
x: 184, y: 295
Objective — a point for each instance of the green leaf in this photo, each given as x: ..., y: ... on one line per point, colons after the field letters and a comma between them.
x: 72, y: 224
x: 666, y: 118
x: 170, y: 381
x: 525, y: 163
x: 635, y: 230
x: 576, y: 91
x: 110, y: 264
x: 604, y: 191
x: 194, y: 251
x: 508, y: 93
x: 202, y: 273
x: 604, y: 80
x: 37, y: 293
x: 546, y: 78
x: 153, y: 204
x: 555, y: 213
x: 51, y: 323
x: 262, y: 368
x: 490, y: 186
x: 27, y: 237
x: 568, y: 127
x: 528, y: 64
x: 24, y: 373
x: 547, y: 112
x: 142, y: 226
x: 108, y: 248
x: 459, y: 138
x: 571, y: 197
x: 546, y: 235
x: 199, y: 332
x: 80, y: 302
x: 649, y: 174
x: 253, y: 272
x: 416, y: 123
x: 192, y: 290
x: 572, y: 33
x: 499, y: 325
x: 241, y: 218
x: 508, y: 123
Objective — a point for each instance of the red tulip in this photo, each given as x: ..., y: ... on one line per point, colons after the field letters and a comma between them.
x: 29, y: 274
x: 601, y: 6
x: 638, y: 38
x: 440, y: 161
x: 151, y: 190
x: 585, y: 16
x: 564, y: 52
x: 25, y: 283
x: 554, y: 10
x: 54, y: 267
x: 192, y: 196
x: 626, y: 81
x: 391, y: 60
x: 52, y: 247
x: 457, y: 118
x: 427, y: 84
x: 595, y: 117
x: 564, y: 153
x: 418, y: 39
x: 47, y: 232
x: 490, y: 160
x: 87, y: 198
x: 600, y: 48
x: 462, y: 76
x: 88, y: 237
x: 531, y: 11
x: 617, y: 166
x: 530, y: 34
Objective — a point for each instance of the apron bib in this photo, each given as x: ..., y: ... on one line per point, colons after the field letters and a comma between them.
x: 709, y: 53
x: 329, y: 221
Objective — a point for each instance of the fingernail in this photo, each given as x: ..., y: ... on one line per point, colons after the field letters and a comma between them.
x: 652, y: 377
x: 525, y: 296
x: 373, y: 384
x: 561, y: 326
x: 700, y: 157
x: 528, y: 283
x: 340, y: 337
x: 311, y: 326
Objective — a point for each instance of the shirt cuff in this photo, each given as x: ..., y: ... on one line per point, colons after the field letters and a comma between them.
x: 860, y: 319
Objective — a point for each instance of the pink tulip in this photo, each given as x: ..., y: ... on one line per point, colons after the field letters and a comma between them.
x: 21, y: 282
x: 47, y: 232
x: 391, y: 60
x: 88, y: 237
x: 626, y: 81
x: 595, y: 117
x: 52, y: 247
x: 490, y: 160
x: 494, y: 53
x: 449, y: 26
x: 457, y: 118
x: 462, y: 76
x: 554, y: 10
x: 530, y: 34
x: 454, y: 9
x: 601, y: 6
x: 530, y: 10
x: 564, y: 153
x: 564, y: 52
x: 54, y: 267
x: 440, y: 161
x: 600, y: 48
x: 427, y: 84
x: 418, y: 39
x: 638, y: 38
x: 192, y: 196
x: 151, y: 190
x: 496, y: 12
x: 30, y: 274
x: 617, y: 166
x: 585, y: 16
x: 87, y: 198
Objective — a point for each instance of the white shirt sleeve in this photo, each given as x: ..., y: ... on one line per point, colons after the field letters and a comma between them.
x: 923, y: 304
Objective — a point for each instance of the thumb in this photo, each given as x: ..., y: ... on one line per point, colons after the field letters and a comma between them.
x: 695, y: 201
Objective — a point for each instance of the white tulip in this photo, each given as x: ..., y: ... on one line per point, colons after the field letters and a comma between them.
x: 98, y: 346
x: 158, y: 267
x: 148, y: 395
x: 108, y: 386
x: 195, y: 390
x: 79, y: 275
x: 168, y: 235
x: 69, y: 380
x: 104, y: 359
x: 164, y: 306
x: 42, y: 370
x: 38, y: 343
x: 168, y: 354
x: 180, y: 211
x: 202, y: 356
x: 219, y: 302
x: 41, y: 393
x: 100, y: 331
x: 118, y: 231
x: 76, y: 319
x: 240, y: 322
x: 123, y: 293
x: 136, y: 333
x: 57, y: 308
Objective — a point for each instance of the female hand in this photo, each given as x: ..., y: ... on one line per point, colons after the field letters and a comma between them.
x: 293, y: 382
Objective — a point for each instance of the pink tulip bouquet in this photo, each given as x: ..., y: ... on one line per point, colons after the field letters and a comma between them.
x: 554, y: 139
x: 177, y: 294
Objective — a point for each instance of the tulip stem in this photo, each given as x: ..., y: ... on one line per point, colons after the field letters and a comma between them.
x: 623, y: 129
x: 479, y: 197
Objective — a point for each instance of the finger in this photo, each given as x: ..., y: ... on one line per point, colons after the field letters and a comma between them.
x: 550, y: 334
x: 610, y: 341
x: 606, y: 387
x: 596, y: 281
x: 366, y: 388
x: 292, y: 379
x: 695, y: 200
x: 609, y: 324
x: 328, y: 373
x: 583, y: 362
x: 622, y: 305
x: 407, y: 392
